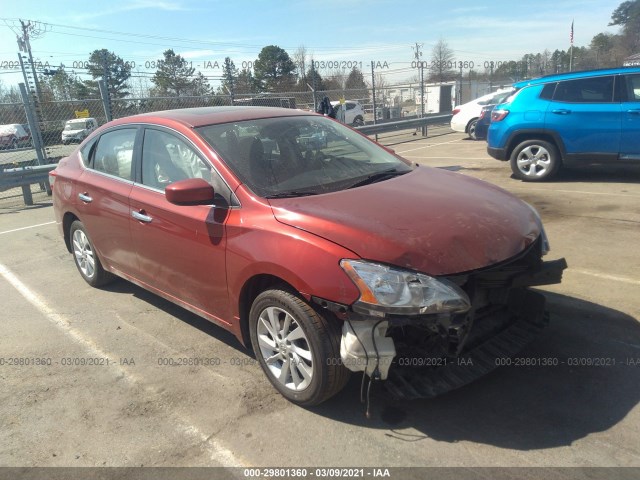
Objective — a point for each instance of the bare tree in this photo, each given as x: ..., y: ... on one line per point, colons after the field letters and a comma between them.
x: 442, y: 62
x: 300, y: 59
x: 381, y: 89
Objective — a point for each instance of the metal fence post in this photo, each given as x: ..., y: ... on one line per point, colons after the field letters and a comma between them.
x: 106, y: 100
x: 36, y: 138
x: 373, y: 90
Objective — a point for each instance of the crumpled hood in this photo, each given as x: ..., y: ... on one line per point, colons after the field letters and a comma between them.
x: 429, y: 220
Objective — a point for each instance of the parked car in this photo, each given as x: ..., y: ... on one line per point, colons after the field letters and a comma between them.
x: 353, y: 112
x: 323, y: 251
x: 568, y: 119
x: 465, y: 117
x: 482, y: 125
x: 14, y: 135
x: 78, y: 129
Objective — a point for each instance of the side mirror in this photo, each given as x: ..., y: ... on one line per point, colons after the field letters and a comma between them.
x: 192, y: 191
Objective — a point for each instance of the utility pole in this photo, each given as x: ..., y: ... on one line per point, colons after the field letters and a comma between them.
x: 420, y: 64
x: 24, y: 45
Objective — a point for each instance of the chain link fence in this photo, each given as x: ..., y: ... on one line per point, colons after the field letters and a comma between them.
x: 37, y: 132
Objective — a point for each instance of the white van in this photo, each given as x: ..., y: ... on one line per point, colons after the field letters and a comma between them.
x: 78, y: 129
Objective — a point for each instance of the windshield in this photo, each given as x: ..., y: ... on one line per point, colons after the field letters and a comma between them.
x: 295, y: 156
x: 80, y: 125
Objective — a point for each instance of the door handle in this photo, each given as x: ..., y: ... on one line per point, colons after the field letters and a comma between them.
x: 85, y: 198
x: 561, y: 111
x: 141, y: 216
x: 634, y: 112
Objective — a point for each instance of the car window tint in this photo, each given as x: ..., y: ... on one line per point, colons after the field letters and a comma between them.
x: 633, y: 88
x: 114, y: 152
x: 85, y: 152
x: 547, y: 91
x: 167, y: 158
x: 585, y: 90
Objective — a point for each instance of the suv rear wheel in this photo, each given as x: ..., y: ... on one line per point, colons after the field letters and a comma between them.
x: 535, y: 160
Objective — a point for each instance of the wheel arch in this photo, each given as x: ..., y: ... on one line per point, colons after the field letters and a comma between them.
x: 548, y: 136
x: 471, y: 120
x: 253, y: 287
x: 67, y: 220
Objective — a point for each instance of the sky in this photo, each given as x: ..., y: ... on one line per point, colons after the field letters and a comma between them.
x: 336, y: 32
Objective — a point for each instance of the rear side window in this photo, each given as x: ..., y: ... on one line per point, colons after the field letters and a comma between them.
x: 114, y: 153
x: 547, y: 91
x: 585, y: 90
x: 633, y: 88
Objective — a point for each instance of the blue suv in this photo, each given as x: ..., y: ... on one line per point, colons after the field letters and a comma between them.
x: 568, y: 119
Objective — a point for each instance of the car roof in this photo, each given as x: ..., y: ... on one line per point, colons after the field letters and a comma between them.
x: 575, y: 75
x: 198, y: 117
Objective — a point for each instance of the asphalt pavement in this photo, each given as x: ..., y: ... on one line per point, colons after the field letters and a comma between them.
x: 99, y: 386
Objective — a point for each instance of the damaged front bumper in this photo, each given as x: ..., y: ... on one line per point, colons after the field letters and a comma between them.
x: 428, y: 355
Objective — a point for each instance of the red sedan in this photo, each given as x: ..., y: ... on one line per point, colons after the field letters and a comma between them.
x: 322, y: 250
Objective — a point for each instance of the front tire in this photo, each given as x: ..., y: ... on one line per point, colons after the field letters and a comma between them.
x: 297, y: 347
x: 358, y: 121
x: 535, y: 161
x: 86, y: 258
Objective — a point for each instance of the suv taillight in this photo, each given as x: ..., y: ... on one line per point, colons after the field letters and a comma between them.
x: 499, y: 115
x: 455, y: 110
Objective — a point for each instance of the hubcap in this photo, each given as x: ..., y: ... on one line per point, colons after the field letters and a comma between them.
x: 83, y: 253
x: 285, y: 348
x: 534, y: 161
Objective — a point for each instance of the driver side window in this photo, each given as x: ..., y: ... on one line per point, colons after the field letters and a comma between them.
x: 167, y: 159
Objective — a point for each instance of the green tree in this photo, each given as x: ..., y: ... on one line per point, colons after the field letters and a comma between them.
x: 175, y: 77
x: 200, y: 86
x: 64, y: 86
x: 245, y: 83
x: 627, y: 16
x: 312, y: 77
x: 274, y: 70
x: 229, y: 77
x: 356, y: 85
x: 106, y: 65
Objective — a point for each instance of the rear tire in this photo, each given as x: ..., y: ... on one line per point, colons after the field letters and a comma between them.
x: 86, y: 258
x: 358, y: 121
x: 535, y: 161
x: 471, y: 129
x: 297, y: 347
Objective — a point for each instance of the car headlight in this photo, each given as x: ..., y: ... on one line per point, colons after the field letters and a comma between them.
x: 546, y: 247
x: 385, y: 289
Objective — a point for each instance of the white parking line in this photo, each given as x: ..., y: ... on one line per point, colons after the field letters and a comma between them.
x: 26, y: 228
x: 581, y: 192
x: 218, y: 452
x: 426, y: 146
x: 439, y: 157
x: 615, y: 278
